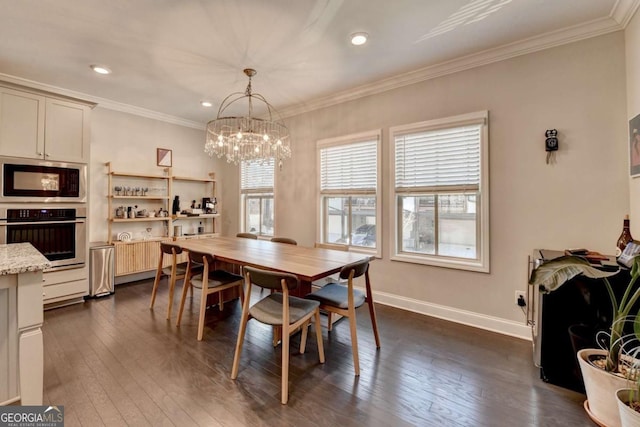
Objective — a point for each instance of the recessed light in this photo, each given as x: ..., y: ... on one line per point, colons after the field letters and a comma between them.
x: 358, y: 39
x: 206, y: 103
x: 100, y: 69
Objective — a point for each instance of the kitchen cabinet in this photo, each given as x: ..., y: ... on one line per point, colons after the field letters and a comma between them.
x: 36, y: 126
x: 66, y: 132
x: 142, y: 255
x: 21, y: 349
x: 137, y: 257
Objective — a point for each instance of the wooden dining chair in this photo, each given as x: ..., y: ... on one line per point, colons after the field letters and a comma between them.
x: 247, y: 235
x: 317, y: 284
x: 209, y: 282
x: 343, y: 299
x: 284, y: 240
x: 279, y: 310
x: 174, y: 272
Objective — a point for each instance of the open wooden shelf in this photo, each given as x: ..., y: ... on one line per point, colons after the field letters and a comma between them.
x: 143, y: 219
x: 205, y: 186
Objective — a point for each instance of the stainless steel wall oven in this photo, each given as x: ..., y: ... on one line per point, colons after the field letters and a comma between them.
x: 59, y: 233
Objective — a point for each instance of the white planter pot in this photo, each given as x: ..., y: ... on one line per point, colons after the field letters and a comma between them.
x: 628, y: 416
x: 601, y: 388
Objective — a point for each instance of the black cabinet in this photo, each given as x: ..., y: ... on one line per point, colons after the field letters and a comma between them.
x: 569, y: 320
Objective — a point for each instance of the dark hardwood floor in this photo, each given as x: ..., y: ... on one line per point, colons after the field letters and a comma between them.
x: 114, y: 362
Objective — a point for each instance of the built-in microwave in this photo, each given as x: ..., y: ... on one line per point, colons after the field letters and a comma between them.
x: 25, y: 180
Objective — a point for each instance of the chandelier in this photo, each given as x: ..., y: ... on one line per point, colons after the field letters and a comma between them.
x: 247, y: 138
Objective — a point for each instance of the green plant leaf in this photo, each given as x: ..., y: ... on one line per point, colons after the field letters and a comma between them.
x: 554, y: 273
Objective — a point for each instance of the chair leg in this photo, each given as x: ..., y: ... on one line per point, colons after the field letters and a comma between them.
x: 329, y: 322
x: 220, y: 301
x: 277, y: 335
x: 374, y: 321
x: 239, y: 342
x: 156, y: 282
x: 203, y: 308
x: 241, y: 295
x: 185, y: 285
x: 354, y: 341
x: 303, y: 337
x: 319, y: 336
x: 285, y: 365
x: 172, y: 287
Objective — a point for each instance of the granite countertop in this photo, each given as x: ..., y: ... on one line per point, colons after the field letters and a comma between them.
x: 18, y: 258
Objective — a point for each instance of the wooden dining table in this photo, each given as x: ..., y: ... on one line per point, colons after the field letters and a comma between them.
x: 308, y: 264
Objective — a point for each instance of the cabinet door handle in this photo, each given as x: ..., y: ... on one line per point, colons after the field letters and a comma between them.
x: 46, y: 154
x: 40, y: 153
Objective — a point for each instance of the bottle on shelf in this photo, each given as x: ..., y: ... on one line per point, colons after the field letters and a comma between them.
x: 625, y: 236
x: 176, y: 206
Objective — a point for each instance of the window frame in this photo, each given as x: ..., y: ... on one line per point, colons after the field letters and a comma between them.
x: 482, y: 263
x: 321, y: 223
x: 260, y: 194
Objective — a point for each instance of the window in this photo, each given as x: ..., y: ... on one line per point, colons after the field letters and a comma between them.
x: 441, y: 184
x: 256, y: 188
x: 349, y: 183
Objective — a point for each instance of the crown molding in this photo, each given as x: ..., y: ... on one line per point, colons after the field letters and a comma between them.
x: 549, y: 40
x: 99, y: 102
x: 623, y: 11
x: 14, y: 82
x: 149, y: 114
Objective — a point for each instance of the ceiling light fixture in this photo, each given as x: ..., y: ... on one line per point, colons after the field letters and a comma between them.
x: 206, y: 104
x: 358, y: 39
x: 100, y: 69
x: 248, y: 137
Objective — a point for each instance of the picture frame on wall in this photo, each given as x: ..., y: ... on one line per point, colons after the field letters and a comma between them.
x: 634, y: 146
x: 164, y: 157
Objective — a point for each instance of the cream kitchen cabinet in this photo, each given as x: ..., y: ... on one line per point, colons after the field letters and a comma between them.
x: 37, y: 126
x: 66, y: 131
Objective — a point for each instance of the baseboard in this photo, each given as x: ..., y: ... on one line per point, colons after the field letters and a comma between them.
x: 119, y: 280
x: 469, y: 318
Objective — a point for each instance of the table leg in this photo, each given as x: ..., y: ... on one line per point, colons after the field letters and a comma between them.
x: 303, y: 289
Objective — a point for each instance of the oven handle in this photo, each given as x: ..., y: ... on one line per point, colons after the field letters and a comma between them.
x: 77, y: 221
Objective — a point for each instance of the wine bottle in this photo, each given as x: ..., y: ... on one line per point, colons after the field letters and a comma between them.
x: 625, y: 236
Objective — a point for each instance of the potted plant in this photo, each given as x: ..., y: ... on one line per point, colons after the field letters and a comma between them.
x: 629, y: 398
x: 603, y: 378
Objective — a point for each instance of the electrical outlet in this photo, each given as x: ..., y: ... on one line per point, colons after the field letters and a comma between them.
x: 521, y: 298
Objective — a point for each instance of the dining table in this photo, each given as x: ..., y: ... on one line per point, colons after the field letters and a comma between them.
x: 307, y: 263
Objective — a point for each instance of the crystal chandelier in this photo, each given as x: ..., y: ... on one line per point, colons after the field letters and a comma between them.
x: 247, y: 138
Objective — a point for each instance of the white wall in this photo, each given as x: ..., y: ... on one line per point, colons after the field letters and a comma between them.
x: 632, y: 41
x: 579, y: 201
x: 129, y: 142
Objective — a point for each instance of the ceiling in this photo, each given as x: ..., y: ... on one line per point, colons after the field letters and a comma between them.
x: 168, y: 55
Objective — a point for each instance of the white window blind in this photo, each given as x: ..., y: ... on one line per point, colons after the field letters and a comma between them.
x: 349, y: 167
x: 438, y: 159
x: 256, y: 177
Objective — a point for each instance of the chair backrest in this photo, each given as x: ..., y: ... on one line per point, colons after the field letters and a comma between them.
x: 167, y: 248
x: 200, y: 257
x: 247, y: 235
x: 284, y: 240
x: 358, y: 267
x: 270, y: 279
